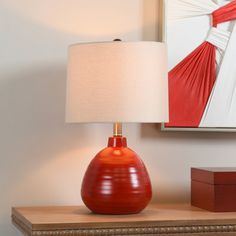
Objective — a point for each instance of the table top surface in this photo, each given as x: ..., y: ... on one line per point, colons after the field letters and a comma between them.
x: 68, y: 217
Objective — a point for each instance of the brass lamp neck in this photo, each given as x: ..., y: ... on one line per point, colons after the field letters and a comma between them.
x: 117, y: 129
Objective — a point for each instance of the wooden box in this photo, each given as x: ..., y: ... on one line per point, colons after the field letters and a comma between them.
x: 214, y: 189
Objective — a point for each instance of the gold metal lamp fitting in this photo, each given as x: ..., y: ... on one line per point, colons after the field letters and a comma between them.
x: 117, y: 129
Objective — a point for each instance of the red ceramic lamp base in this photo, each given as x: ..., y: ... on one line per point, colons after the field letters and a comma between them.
x: 116, y: 181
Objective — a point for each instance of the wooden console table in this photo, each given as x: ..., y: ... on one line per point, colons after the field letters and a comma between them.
x: 168, y: 220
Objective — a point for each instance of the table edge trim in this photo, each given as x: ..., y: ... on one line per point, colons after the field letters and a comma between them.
x: 132, y: 230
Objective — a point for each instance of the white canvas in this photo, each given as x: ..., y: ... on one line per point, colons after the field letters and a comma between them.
x: 188, y: 25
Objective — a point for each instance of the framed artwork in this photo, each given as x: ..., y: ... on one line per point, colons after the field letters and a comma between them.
x: 201, y: 40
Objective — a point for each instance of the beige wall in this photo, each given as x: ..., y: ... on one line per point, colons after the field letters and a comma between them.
x: 42, y: 160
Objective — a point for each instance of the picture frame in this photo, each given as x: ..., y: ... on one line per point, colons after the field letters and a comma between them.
x: 163, y: 27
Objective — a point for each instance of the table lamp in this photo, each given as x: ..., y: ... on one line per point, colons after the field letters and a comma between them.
x: 117, y: 82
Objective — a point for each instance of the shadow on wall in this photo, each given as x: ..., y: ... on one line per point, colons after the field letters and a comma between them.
x: 33, y: 133
x: 176, y: 152
x: 152, y: 25
x: 33, y: 127
x: 153, y: 131
x: 166, y: 196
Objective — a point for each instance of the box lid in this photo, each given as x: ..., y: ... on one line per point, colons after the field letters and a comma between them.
x: 214, y: 175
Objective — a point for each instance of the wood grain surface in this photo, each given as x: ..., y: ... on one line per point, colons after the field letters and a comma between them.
x: 155, y: 220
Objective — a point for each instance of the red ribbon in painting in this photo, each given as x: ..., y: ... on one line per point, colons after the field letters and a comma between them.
x: 192, y: 80
x: 225, y: 13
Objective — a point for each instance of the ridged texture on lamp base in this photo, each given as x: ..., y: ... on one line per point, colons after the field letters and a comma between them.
x: 116, y: 181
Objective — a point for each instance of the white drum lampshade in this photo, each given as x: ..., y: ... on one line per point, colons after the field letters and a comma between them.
x: 117, y: 81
